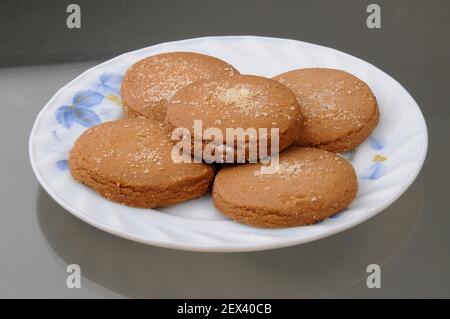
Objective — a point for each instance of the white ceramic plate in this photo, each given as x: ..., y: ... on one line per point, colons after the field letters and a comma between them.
x: 386, y: 164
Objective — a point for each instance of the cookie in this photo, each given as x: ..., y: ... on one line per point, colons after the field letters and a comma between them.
x: 307, y: 186
x: 150, y: 83
x: 129, y: 161
x: 339, y: 110
x: 252, y: 103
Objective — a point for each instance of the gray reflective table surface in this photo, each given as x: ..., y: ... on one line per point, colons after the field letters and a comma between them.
x: 410, y: 240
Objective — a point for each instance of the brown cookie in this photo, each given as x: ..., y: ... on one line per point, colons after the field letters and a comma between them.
x: 307, y: 186
x: 129, y: 161
x: 242, y: 101
x: 339, y: 110
x: 150, y: 83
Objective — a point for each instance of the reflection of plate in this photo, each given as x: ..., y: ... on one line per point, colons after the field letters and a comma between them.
x: 386, y: 163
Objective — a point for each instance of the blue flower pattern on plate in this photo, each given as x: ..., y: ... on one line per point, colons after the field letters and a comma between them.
x: 109, y: 84
x: 376, y: 143
x: 62, y: 164
x: 376, y: 170
x: 80, y: 111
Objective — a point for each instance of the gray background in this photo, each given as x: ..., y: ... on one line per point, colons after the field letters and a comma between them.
x: 38, y: 55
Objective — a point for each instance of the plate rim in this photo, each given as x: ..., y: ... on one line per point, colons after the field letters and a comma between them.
x: 229, y: 247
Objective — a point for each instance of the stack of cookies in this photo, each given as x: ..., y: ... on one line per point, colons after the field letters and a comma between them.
x: 286, y: 169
